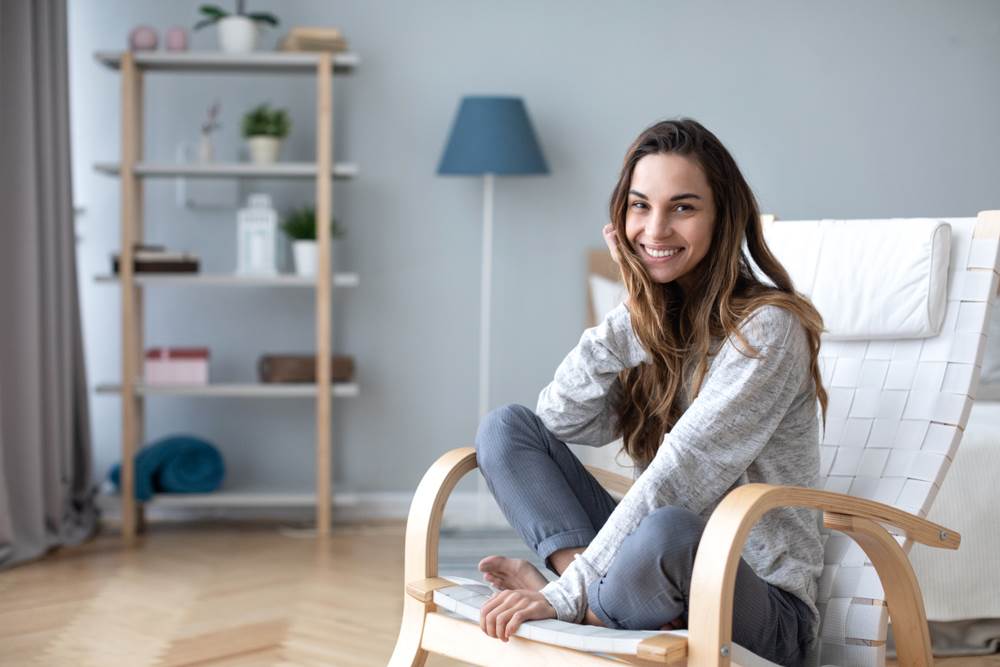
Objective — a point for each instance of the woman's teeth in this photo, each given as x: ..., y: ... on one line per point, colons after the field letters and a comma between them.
x: 663, y: 253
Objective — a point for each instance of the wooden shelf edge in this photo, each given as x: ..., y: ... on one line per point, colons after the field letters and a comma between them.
x: 262, y: 62
x: 340, y: 170
x: 341, y: 280
x: 236, y: 390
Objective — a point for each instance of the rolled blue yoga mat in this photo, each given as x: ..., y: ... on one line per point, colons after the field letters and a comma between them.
x: 174, y: 464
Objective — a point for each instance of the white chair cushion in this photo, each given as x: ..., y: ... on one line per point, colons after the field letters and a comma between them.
x: 897, y: 283
x: 605, y: 295
x: 468, y: 595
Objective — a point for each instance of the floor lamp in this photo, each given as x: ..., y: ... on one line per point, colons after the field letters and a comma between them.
x: 490, y: 136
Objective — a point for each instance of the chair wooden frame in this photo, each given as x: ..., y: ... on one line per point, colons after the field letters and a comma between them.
x: 874, y: 526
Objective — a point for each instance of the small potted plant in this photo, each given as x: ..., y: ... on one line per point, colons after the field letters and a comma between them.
x: 264, y: 128
x: 300, y: 225
x: 237, y: 32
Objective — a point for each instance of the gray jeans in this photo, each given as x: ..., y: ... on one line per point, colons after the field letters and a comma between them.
x: 553, y: 502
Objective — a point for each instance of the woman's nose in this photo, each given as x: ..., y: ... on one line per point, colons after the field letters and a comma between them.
x: 658, y: 226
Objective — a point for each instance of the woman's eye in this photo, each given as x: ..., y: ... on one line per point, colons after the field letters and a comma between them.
x: 643, y: 205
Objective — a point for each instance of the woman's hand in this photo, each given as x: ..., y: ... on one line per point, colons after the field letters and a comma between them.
x: 609, y: 237
x: 501, y: 615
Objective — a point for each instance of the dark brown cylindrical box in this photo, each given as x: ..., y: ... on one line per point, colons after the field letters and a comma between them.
x: 302, y: 368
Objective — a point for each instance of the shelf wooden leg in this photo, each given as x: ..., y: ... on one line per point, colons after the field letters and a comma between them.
x: 130, y: 93
x: 324, y: 208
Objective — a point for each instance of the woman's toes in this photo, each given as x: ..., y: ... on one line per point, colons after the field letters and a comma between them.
x: 489, y: 563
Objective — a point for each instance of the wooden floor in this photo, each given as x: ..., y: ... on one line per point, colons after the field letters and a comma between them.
x: 233, y: 594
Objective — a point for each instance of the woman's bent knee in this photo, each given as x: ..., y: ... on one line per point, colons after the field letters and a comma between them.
x: 671, y: 527
x: 497, y: 430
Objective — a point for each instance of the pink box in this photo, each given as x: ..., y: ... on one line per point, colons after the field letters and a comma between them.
x: 176, y: 365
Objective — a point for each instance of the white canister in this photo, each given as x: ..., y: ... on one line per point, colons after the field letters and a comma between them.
x: 257, y: 237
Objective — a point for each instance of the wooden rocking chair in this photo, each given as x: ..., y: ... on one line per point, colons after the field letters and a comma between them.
x: 896, y: 414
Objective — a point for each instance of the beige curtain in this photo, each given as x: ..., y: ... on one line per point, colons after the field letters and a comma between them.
x: 46, y: 495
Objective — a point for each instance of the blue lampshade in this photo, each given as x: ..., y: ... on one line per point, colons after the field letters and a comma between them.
x: 492, y: 135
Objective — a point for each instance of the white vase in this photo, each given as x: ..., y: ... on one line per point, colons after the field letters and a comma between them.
x: 305, y: 253
x: 206, y: 152
x: 237, y: 34
x: 264, y: 149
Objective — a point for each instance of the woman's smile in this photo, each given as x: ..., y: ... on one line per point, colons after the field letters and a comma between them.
x: 655, y: 256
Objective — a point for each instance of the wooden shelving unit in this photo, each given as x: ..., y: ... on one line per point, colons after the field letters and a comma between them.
x: 133, y: 170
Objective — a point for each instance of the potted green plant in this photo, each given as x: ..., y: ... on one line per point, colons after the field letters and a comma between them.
x: 237, y: 32
x: 300, y: 225
x: 264, y: 128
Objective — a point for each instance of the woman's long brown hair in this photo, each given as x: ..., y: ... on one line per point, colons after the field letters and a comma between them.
x: 679, y: 329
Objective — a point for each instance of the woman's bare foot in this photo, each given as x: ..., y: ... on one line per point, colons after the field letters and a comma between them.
x: 511, y: 573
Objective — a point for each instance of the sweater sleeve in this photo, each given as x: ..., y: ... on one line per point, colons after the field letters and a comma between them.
x: 739, y: 407
x: 578, y: 405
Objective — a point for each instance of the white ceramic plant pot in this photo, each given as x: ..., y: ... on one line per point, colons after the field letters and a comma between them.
x: 264, y: 149
x: 306, y: 254
x: 237, y: 34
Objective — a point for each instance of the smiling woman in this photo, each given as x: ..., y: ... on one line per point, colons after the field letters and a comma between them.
x: 710, y: 377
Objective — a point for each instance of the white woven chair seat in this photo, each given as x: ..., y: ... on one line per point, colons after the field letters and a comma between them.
x: 468, y: 595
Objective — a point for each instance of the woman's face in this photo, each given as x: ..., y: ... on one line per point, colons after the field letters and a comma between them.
x: 670, y: 212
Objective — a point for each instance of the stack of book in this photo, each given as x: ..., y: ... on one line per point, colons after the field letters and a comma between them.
x: 157, y: 259
x: 302, y: 38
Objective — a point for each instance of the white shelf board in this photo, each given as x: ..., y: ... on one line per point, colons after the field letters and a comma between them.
x: 238, y: 169
x: 248, y: 390
x: 231, y: 280
x: 258, y: 61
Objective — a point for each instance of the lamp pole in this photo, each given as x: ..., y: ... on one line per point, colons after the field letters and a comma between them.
x: 484, y: 296
x: 485, y: 283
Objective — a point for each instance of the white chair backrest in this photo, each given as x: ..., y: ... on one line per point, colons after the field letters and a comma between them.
x: 897, y: 410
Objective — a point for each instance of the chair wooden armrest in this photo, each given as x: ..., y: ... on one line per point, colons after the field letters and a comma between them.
x: 711, y: 613
x: 420, y: 557
x: 423, y: 524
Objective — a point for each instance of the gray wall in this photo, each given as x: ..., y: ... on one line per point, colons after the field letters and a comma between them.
x: 848, y: 109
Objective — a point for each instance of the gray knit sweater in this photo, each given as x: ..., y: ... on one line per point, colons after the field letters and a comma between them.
x: 754, y: 420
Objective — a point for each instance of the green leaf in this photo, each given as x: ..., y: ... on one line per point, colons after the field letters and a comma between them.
x: 264, y: 18
x: 300, y: 224
x: 262, y: 120
x: 212, y: 10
